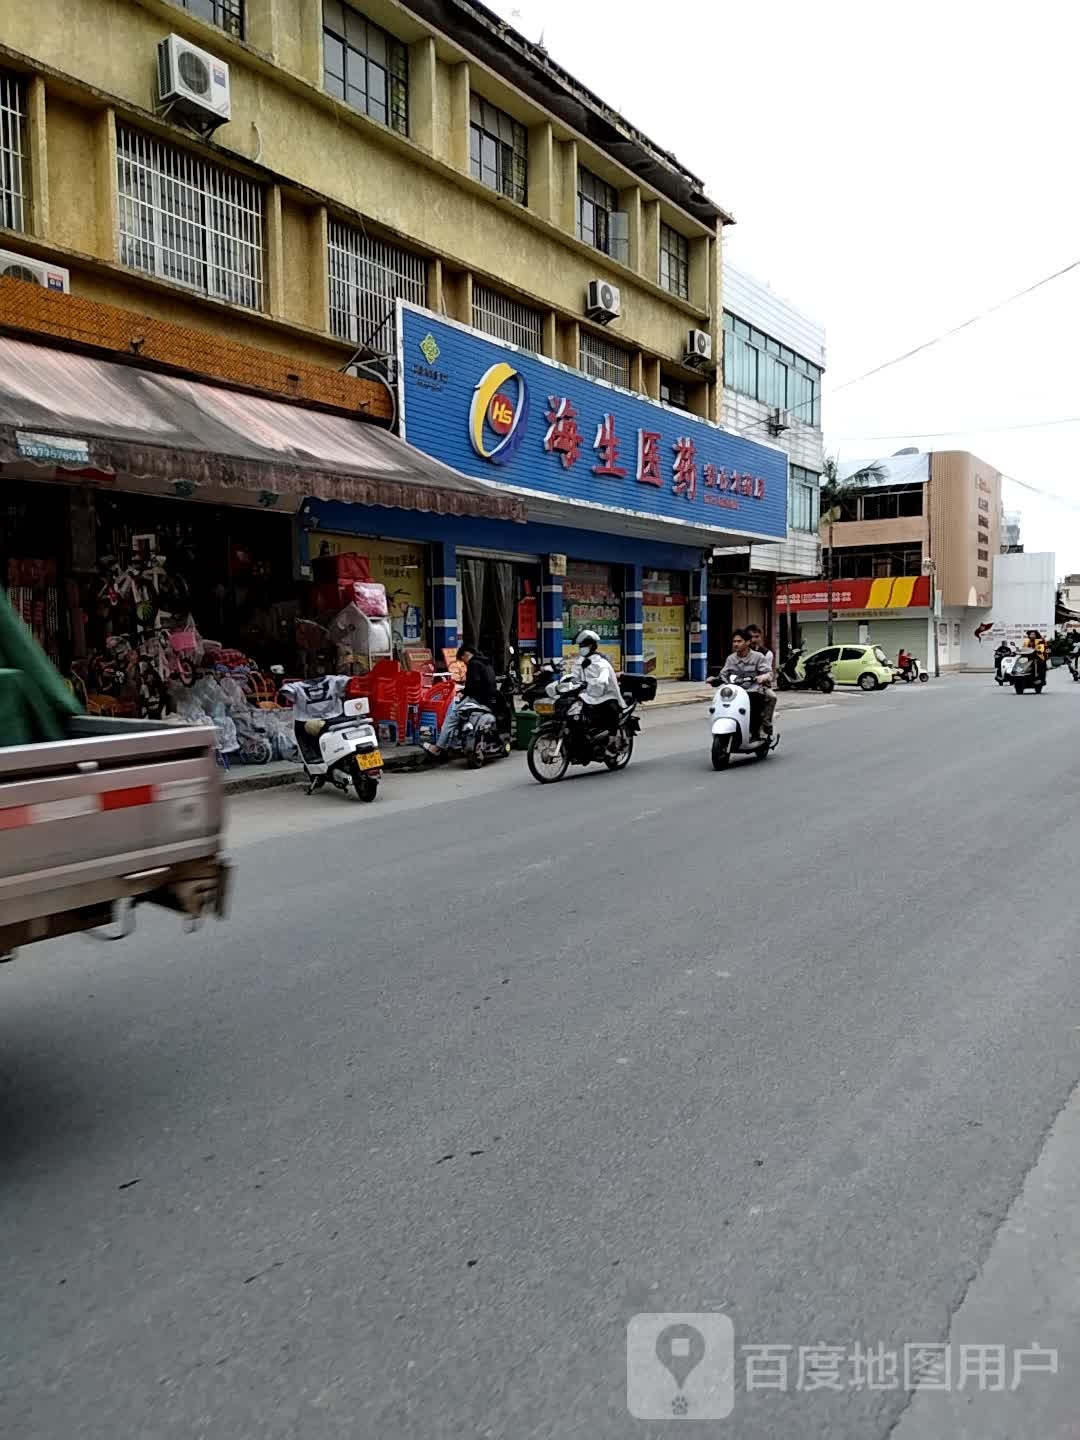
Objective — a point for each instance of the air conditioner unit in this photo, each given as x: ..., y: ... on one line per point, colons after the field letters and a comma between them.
x: 37, y: 272
x: 193, y: 84
x: 698, y: 347
x: 602, y: 301
x: 779, y: 421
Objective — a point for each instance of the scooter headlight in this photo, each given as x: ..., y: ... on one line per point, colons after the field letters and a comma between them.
x: 727, y: 693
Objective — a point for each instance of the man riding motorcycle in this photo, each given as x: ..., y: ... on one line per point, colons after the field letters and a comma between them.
x: 481, y: 688
x: 602, y: 697
x: 750, y: 669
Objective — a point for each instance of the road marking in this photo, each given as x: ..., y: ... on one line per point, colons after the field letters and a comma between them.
x: 723, y: 974
x: 645, y: 815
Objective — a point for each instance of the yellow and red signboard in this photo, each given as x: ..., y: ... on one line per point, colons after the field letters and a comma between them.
x: 891, y: 592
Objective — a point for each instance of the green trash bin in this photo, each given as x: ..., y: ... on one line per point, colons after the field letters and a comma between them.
x: 525, y: 722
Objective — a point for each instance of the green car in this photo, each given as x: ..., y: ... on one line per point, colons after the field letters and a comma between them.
x: 862, y: 665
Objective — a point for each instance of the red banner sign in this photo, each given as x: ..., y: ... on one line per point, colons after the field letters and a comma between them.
x: 894, y: 592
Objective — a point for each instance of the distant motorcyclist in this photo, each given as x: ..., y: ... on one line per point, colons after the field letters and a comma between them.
x: 1036, y: 642
x: 750, y: 669
x: 601, y: 696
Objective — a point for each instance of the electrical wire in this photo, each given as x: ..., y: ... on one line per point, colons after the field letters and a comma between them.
x: 955, y: 329
x: 929, y: 344
x: 968, y: 430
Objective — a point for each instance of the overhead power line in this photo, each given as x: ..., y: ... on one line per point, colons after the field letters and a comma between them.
x: 956, y: 329
x: 969, y: 430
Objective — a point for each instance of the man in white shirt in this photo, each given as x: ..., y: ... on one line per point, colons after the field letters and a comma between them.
x: 602, y: 697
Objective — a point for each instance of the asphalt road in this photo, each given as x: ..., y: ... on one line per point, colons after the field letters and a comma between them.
x: 472, y: 1076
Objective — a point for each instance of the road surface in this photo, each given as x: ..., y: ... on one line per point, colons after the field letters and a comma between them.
x: 474, y: 1075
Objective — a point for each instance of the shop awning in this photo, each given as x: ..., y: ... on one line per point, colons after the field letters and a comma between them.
x: 69, y: 416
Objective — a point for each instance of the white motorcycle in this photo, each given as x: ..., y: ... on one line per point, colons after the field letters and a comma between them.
x: 336, y: 737
x: 729, y: 717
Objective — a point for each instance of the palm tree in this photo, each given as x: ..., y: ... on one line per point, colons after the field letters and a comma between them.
x: 834, y: 491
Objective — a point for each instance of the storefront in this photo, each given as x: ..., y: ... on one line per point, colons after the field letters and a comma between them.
x: 893, y: 612
x: 140, y: 513
x: 625, y: 499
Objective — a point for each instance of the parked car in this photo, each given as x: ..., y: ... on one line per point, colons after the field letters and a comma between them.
x: 864, y: 665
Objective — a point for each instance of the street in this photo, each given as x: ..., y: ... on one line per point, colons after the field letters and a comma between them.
x: 473, y: 1075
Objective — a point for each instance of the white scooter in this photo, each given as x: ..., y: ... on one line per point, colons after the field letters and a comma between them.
x: 336, y: 737
x: 729, y: 716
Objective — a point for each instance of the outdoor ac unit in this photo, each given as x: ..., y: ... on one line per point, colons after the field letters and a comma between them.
x: 602, y: 301
x: 698, y: 347
x: 779, y: 421
x: 37, y: 272
x: 193, y: 84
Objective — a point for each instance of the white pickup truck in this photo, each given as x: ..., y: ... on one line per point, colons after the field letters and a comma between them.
x: 120, y: 811
x: 97, y: 815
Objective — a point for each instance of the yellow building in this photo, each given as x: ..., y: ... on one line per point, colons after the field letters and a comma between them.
x: 266, y: 194
x: 373, y: 150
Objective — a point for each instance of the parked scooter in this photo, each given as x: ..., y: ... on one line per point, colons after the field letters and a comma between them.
x: 729, y: 717
x: 814, y: 673
x: 336, y: 737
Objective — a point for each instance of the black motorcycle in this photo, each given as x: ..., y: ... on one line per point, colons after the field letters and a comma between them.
x: 564, y: 736
x: 817, y: 674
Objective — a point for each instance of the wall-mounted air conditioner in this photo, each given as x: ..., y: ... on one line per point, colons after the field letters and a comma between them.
x: 602, y: 301
x: 37, y: 272
x: 698, y: 348
x: 193, y: 84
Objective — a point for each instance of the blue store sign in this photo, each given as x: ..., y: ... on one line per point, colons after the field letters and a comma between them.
x: 502, y: 414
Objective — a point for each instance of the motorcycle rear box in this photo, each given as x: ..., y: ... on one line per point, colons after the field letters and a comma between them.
x: 638, y: 687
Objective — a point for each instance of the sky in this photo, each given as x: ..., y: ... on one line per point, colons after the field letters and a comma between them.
x: 893, y: 170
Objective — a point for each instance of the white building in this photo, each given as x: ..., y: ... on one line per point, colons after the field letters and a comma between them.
x: 774, y: 360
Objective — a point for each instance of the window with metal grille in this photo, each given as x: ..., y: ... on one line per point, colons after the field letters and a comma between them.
x: 674, y: 392
x: 507, y: 319
x: 596, y: 201
x: 227, y: 15
x: 674, y: 261
x: 366, y: 276
x: 603, y: 360
x: 365, y: 66
x: 498, y: 150
x: 189, y: 221
x: 13, y: 195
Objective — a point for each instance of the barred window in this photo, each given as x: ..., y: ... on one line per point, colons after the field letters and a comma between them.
x: 507, y: 319
x: 498, y: 150
x: 674, y: 392
x: 366, y: 277
x: 13, y: 195
x: 189, y: 221
x: 603, y: 360
x: 365, y: 66
x: 674, y: 261
x: 596, y: 201
x: 227, y: 15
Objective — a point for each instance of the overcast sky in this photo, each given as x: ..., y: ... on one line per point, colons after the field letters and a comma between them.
x: 893, y: 170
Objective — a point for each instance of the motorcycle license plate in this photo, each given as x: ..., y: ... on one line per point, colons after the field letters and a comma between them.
x: 545, y: 707
x: 369, y: 760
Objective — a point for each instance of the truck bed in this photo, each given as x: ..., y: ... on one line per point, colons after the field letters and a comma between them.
x: 118, y: 809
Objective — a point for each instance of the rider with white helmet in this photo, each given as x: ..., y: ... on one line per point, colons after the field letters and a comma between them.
x: 602, y: 697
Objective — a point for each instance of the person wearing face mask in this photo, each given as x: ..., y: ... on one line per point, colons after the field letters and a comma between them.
x: 602, y: 697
